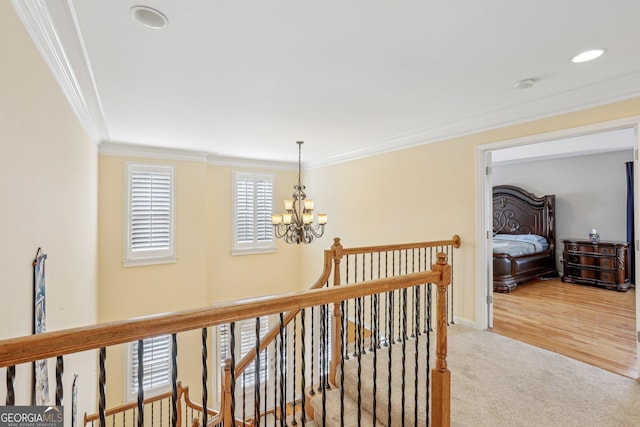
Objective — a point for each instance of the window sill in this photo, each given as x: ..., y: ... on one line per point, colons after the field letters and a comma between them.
x: 253, y: 251
x: 149, y: 261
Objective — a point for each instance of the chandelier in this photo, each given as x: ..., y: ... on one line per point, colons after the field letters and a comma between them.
x: 296, y: 224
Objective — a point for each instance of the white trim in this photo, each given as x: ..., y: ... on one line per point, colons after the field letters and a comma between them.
x: 147, y: 152
x: 215, y: 160
x: 63, y: 50
x: 176, y: 154
x: 483, y: 198
x: 466, y: 322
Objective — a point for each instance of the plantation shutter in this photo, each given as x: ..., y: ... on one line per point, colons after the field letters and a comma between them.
x: 156, y: 363
x: 264, y: 209
x: 150, y: 211
x: 244, y: 210
x: 245, y: 338
x: 253, y: 206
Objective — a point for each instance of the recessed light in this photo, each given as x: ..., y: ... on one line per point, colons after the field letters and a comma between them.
x: 588, y: 55
x: 149, y: 17
x: 524, y: 84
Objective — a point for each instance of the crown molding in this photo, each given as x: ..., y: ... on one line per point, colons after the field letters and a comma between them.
x: 602, y: 93
x: 216, y: 160
x: 63, y: 50
x: 161, y: 153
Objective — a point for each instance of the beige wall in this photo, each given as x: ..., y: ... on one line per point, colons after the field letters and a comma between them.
x: 48, y: 189
x: 205, y: 271
x: 425, y: 193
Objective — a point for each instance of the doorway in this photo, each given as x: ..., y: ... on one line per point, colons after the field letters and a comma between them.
x: 484, y: 161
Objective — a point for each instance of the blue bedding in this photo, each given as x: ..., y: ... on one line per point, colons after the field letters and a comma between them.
x: 519, y: 244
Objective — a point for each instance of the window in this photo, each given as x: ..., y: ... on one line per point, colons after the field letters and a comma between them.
x: 156, y: 364
x: 245, y: 340
x: 252, y: 209
x: 150, y: 214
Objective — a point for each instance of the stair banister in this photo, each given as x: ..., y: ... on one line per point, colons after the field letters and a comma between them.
x: 441, y: 376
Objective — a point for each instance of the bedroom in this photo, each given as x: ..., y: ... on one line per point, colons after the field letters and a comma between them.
x: 588, y: 178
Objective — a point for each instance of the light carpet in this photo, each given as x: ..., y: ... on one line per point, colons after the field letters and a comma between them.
x: 497, y: 381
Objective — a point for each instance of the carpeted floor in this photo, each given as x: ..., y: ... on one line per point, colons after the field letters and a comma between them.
x: 497, y: 381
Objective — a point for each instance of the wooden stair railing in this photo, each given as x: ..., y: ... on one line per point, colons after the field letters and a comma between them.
x: 184, y: 403
x: 336, y: 254
x: 57, y: 344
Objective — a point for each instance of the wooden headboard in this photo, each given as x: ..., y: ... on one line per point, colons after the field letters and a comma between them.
x: 516, y: 211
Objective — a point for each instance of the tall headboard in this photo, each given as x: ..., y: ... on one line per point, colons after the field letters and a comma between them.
x: 516, y: 211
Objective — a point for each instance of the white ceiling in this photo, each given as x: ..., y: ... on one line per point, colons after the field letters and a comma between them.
x: 350, y: 78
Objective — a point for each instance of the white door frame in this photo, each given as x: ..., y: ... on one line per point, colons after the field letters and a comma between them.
x: 484, y: 264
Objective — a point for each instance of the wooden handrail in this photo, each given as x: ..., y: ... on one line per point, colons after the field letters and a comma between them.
x: 183, y: 392
x: 455, y: 242
x: 14, y: 351
x: 288, y: 317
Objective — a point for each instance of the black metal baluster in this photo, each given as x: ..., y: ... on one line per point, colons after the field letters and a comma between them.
x: 59, y: 387
x: 343, y: 352
x: 303, y: 415
x: 359, y: 359
x: 256, y: 374
x: 295, y: 342
x: 174, y: 380
x: 387, y: 301
x: 11, y: 383
x: 404, y: 350
x: 416, y: 320
x: 275, y: 379
x: 102, y: 384
x: 428, y: 376
x: 399, y: 300
x: 322, y: 361
x: 283, y: 378
x: 244, y: 398
x: 371, y: 344
x: 389, y: 338
x: 232, y: 346
x: 450, y: 258
x: 266, y: 381
x: 205, y: 374
x: 140, y: 383
x: 313, y: 386
x: 375, y: 353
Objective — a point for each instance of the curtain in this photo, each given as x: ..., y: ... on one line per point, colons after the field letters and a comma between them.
x: 630, y: 213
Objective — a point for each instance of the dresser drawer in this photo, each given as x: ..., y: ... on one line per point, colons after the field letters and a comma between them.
x: 592, y: 275
x: 604, y: 250
x: 592, y: 261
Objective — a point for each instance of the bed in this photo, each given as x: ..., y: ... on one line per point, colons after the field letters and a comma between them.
x: 523, y: 237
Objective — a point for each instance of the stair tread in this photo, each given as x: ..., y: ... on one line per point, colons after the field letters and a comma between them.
x: 333, y: 410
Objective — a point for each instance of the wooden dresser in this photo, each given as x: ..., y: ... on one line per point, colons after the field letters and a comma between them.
x: 605, y: 263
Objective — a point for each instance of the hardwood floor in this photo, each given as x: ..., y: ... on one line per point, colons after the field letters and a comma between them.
x: 590, y: 324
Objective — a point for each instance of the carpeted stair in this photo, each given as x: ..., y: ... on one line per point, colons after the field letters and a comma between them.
x: 400, y: 407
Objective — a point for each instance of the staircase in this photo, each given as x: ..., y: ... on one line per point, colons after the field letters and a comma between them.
x: 399, y: 386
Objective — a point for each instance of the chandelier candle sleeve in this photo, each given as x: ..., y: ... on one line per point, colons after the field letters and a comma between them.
x: 296, y: 224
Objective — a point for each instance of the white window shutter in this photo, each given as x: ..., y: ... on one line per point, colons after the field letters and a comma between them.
x: 150, y: 214
x: 156, y: 365
x: 245, y: 340
x: 252, y: 209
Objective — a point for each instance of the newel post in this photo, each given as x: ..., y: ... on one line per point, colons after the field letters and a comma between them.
x: 441, y: 376
x: 336, y: 338
x: 225, y: 403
